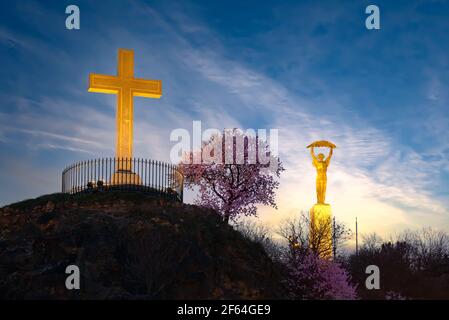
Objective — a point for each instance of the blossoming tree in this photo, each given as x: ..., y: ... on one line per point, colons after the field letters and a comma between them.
x: 310, y: 277
x: 233, y: 172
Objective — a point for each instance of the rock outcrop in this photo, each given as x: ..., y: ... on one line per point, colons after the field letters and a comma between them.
x: 128, y: 246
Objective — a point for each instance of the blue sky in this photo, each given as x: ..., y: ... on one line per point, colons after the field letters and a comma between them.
x: 308, y: 68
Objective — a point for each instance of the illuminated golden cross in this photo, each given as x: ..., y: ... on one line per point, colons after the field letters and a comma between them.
x: 125, y: 86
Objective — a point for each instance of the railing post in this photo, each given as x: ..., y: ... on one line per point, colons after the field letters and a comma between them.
x: 159, y: 176
x: 150, y: 174
x: 62, y: 181
x: 182, y: 185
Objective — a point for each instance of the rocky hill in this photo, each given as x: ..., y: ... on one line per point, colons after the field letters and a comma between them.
x: 128, y: 246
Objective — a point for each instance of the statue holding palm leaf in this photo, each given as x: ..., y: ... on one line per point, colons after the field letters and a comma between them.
x: 321, y: 163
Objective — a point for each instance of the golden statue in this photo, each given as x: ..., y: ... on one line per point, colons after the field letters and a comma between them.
x: 321, y: 164
x: 320, y: 234
x: 125, y: 86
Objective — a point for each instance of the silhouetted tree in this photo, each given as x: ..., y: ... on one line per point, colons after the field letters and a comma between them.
x: 297, y: 231
x: 415, y: 265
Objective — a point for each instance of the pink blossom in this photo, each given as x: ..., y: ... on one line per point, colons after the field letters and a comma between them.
x: 232, y: 188
x: 313, y: 278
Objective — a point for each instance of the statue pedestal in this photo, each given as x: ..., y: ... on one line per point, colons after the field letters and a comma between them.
x: 320, y: 233
x: 126, y: 177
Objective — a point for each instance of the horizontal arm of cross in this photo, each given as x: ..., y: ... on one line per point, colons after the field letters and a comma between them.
x: 113, y: 84
x: 146, y: 88
x: 104, y: 83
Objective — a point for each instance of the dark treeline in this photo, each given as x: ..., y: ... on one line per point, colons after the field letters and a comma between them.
x: 414, y: 265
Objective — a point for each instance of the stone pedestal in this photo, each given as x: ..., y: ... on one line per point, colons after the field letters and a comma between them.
x: 125, y: 177
x: 320, y: 235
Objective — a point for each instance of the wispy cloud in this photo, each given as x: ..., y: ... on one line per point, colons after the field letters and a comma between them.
x: 386, y: 184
